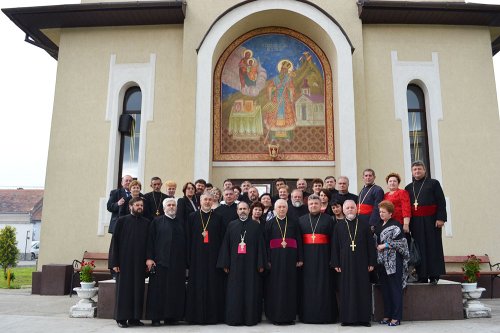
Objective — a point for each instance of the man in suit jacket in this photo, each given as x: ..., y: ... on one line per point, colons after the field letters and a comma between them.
x: 116, y: 199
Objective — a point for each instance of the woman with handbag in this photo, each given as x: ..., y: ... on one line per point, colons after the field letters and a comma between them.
x: 392, y: 260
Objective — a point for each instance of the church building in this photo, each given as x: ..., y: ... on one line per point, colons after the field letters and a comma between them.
x: 261, y: 89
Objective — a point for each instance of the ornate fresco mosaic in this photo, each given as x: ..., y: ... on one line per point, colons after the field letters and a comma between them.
x: 273, y: 99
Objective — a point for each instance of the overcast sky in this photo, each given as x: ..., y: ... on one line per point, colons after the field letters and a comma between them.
x: 27, y: 92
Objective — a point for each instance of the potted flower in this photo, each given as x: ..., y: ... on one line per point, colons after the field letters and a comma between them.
x: 470, y: 268
x: 86, y: 280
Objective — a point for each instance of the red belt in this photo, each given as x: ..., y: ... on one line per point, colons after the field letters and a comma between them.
x: 276, y: 243
x: 318, y: 239
x: 365, y: 209
x: 424, y: 210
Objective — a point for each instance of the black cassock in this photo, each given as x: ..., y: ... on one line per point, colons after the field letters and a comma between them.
x: 355, y: 288
x: 129, y: 253
x: 154, y: 204
x: 431, y: 207
x: 281, y: 282
x: 317, y: 301
x: 244, y: 283
x: 228, y: 213
x: 205, y: 290
x: 167, y: 288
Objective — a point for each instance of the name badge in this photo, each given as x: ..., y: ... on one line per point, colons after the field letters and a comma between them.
x: 242, y: 248
x: 205, y: 238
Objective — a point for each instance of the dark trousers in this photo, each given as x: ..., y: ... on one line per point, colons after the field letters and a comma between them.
x: 392, y: 290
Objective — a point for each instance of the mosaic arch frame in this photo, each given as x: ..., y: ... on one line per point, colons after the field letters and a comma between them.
x: 273, y: 93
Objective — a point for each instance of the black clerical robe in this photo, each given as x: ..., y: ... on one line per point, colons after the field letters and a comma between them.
x: 129, y: 254
x: 244, y: 284
x: 228, y: 213
x: 296, y: 212
x: 369, y: 198
x: 205, y: 290
x: 342, y: 197
x: 281, y: 282
x: 154, y: 202
x: 431, y: 207
x: 317, y: 301
x: 355, y: 287
x: 167, y: 287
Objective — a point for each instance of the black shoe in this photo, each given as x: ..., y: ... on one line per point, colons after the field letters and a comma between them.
x: 433, y: 281
x: 122, y: 323
x: 365, y: 323
x: 395, y: 323
x: 155, y: 323
x: 346, y: 324
x: 135, y: 322
x: 423, y: 280
x: 171, y: 322
x: 384, y: 322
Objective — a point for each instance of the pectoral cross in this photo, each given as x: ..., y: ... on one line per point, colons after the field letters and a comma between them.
x: 313, y: 237
x: 283, y: 243
x: 204, y: 233
x: 415, y: 204
x: 353, y: 246
x: 157, y: 212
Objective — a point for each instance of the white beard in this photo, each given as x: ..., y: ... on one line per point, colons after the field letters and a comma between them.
x: 351, y: 216
x: 297, y: 204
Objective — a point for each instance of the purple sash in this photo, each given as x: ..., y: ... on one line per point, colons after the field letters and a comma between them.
x: 276, y: 243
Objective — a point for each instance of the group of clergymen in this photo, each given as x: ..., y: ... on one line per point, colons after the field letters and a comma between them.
x: 211, y: 261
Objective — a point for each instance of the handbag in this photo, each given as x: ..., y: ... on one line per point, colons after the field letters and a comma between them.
x: 415, y: 257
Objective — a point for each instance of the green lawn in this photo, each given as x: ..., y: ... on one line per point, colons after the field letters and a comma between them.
x: 23, y: 277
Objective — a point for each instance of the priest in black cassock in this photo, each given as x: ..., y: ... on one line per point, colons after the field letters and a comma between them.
x: 316, y: 305
x: 154, y: 199
x: 166, y: 253
x: 284, y: 249
x: 129, y: 262
x: 227, y: 208
x: 205, y: 289
x: 428, y: 215
x: 354, y: 256
x: 369, y: 198
x: 243, y: 258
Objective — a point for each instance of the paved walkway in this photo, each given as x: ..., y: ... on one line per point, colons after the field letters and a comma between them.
x: 22, y: 312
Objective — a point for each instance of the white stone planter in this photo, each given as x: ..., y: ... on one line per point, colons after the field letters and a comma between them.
x: 469, y: 286
x: 86, y: 307
x: 87, y: 285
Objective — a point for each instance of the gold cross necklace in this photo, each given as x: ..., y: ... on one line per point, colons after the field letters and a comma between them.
x: 353, y: 246
x: 418, y: 194
x: 283, y: 234
x: 315, y: 226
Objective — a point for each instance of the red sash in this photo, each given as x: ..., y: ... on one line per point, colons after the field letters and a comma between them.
x: 424, y: 210
x: 365, y: 209
x: 318, y: 239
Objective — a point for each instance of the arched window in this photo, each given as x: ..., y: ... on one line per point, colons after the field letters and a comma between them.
x: 419, y: 142
x: 130, y: 129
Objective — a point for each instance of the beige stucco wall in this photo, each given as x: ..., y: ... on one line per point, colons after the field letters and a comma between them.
x: 469, y: 132
x: 77, y: 162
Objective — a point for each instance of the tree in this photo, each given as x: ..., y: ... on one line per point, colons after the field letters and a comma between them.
x: 8, y: 248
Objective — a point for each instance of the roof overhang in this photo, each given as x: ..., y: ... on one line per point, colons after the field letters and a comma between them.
x: 440, y: 13
x: 34, y: 20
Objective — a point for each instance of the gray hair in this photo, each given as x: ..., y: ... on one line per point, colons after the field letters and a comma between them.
x: 313, y: 197
x: 280, y: 201
x: 167, y: 200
